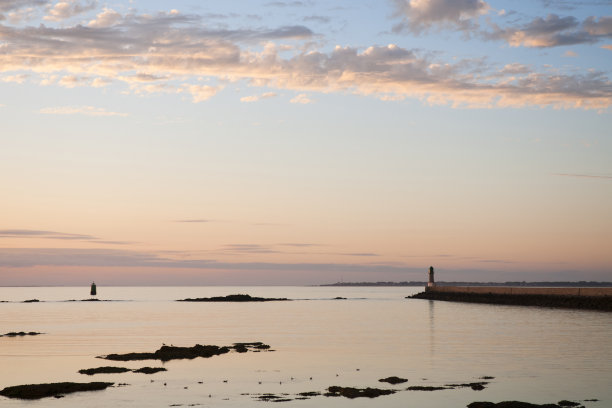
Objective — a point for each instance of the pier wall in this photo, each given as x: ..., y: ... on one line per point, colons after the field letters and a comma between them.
x: 508, y: 290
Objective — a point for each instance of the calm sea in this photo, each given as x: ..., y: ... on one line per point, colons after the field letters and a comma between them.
x: 536, y: 355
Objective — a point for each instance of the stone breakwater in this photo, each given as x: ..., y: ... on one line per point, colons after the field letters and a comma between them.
x: 570, y: 298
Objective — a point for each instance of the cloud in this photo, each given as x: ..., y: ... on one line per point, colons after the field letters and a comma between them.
x: 80, y: 110
x: 302, y: 99
x: 202, y: 93
x: 570, y: 54
x: 68, y: 8
x: 421, y: 15
x: 256, y: 98
x: 607, y: 47
x: 18, y: 79
x: 23, y: 233
x: 31, y: 257
x: 108, y: 17
x: 193, y: 220
x: 591, y: 176
x: 553, y: 31
x: 175, y: 53
x: 16, y: 11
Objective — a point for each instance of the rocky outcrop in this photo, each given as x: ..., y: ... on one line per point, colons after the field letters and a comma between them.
x: 232, y: 298
x: 37, y: 391
x: 166, y: 353
x: 350, y: 392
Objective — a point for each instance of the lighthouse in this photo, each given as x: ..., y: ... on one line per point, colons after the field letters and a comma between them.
x: 431, y: 282
x: 92, y: 292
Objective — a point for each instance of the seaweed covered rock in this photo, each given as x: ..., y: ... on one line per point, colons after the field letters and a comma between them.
x: 149, y: 370
x: 166, y: 353
x: 350, y: 392
x: 37, y: 391
x: 510, y: 404
x: 20, y: 334
x: 104, y: 370
x: 393, y: 380
x: 232, y: 298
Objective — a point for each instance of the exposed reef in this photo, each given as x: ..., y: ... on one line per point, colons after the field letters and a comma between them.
x: 37, y: 391
x: 519, y: 404
x: 31, y: 301
x: 603, y: 303
x: 117, y: 370
x: 149, y: 370
x: 20, y: 334
x: 232, y: 298
x: 166, y: 353
x: 104, y: 370
x: 350, y: 392
x: 393, y: 380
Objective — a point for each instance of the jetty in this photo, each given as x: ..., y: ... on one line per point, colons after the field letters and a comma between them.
x: 593, y: 298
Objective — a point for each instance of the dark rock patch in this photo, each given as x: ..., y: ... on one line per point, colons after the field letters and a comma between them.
x: 309, y: 394
x: 232, y: 298
x: 566, y: 403
x: 104, y: 370
x: 393, y: 380
x: 149, y: 370
x: 31, y: 301
x: 509, y: 404
x: 339, y: 298
x: 350, y: 392
x: 37, y: 391
x: 476, y: 386
x: 425, y: 388
x: 20, y: 334
x: 487, y: 377
x: 166, y: 353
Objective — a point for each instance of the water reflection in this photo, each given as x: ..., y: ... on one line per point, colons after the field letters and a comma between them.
x: 432, y: 337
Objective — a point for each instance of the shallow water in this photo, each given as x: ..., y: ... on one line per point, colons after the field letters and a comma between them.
x: 535, y: 354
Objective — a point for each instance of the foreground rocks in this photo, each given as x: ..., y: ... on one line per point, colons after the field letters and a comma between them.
x: 166, y: 353
x: 37, y: 391
x: 20, y: 334
x: 118, y: 370
x: 393, y: 380
x: 232, y: 298
x: 569, y: 302
x: 519, y: 404
x: 350, y: 392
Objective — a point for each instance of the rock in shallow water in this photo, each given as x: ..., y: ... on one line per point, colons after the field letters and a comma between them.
x: 37, y: 391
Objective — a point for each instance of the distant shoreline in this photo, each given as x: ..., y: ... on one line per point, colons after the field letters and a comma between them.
x: 559, y: 284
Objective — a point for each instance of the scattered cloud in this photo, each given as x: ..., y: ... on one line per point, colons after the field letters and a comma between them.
x: 256, y: 98
x: 19, y: 79
x: 607, y: 47
x: 29, y: 257
x: 591, y: 176
x: 23, y: 233
x: 317, y: 19
x: 17, y: 8
x: 175, y: 53
x: 553, y: 31
x: 422, y: 15
x: 202, y: 93
x: 570, y: 54
x: 200, y: 220
x: 108, y: 17
x: 301, y: 98
x: 80, y: 110
x: 63, y: 10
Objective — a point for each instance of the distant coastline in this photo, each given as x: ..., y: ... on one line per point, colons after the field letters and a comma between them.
x: 558, y: 284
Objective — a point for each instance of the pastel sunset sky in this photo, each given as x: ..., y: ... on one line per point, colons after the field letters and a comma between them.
x: 151, y: 142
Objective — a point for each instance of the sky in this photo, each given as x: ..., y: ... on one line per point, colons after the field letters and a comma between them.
x: 305, y: 142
